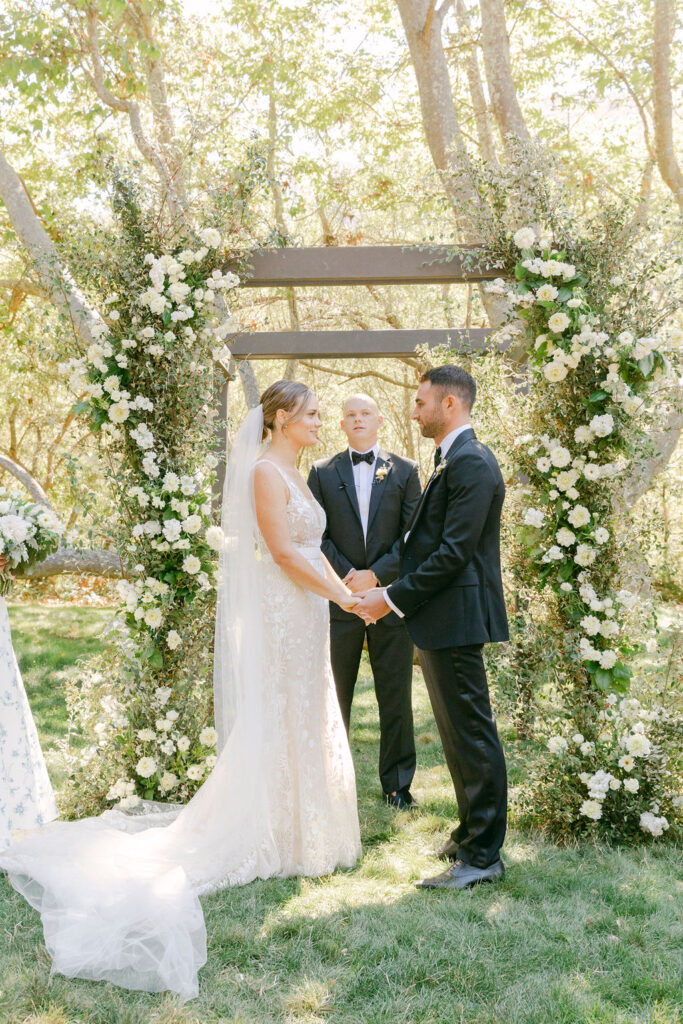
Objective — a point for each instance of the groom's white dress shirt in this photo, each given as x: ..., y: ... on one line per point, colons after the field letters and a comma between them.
x: 363, y: 475
x: 444, y: 448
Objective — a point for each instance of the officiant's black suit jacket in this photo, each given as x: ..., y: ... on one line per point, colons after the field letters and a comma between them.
x: 393, y: 499
x: 450, y: 587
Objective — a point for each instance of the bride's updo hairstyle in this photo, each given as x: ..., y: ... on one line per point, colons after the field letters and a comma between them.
x: 289, y: 395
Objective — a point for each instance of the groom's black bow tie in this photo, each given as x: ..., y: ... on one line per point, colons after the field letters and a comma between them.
x: 437, y: 457
x: 368, y: 457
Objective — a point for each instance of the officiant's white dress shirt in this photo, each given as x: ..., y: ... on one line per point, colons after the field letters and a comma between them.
x: 363, y: 476
x: 445, y: 447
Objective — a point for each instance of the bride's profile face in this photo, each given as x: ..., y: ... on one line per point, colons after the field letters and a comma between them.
x: 303, y: 431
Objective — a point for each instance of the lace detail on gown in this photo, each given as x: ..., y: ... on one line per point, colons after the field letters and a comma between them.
x: 119, y: 897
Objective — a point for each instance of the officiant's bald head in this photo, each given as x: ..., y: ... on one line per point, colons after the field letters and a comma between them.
x: 361, y: 420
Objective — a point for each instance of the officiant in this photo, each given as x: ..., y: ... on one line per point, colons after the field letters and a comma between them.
x: 369, y: 495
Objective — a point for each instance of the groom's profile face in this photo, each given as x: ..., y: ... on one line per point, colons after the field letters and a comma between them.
x: 429, y: 412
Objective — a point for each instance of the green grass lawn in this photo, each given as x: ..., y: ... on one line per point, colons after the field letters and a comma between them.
x: 572, y: 936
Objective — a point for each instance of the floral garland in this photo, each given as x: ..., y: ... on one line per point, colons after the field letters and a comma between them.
x: 171, y: 326
x: 572, y: 471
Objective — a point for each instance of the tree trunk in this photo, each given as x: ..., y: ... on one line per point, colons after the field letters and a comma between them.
x: 502, y: 90
x: 479, y: 105
x: 663, y: 31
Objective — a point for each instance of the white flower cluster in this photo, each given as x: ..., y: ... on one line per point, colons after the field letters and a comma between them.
x: 28, y: 531
x: 623, y: 745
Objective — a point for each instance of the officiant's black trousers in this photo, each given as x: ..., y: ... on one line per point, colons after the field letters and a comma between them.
x: 391, y: 658
x: 458, y: 689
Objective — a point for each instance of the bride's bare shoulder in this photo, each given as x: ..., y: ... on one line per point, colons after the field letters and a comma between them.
x: 269, y: 478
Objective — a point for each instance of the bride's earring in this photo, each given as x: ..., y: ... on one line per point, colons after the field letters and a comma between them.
x: 284, y: 428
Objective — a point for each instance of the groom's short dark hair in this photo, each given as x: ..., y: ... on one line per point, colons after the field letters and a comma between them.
x: 453, y: 380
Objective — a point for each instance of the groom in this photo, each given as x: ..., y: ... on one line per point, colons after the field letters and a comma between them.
x: 368, y: 496
x: 451, y: 595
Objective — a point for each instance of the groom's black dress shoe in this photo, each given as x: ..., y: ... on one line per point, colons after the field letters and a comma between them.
x: 463, y: 876
x: 402, y: 800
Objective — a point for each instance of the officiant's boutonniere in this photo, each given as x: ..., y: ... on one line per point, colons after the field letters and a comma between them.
x: 381, y: 473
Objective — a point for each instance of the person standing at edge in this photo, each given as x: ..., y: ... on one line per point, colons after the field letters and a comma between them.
x: 450, y: 591
x: 369, y: 496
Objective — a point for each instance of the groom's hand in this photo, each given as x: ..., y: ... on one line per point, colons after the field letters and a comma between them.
x: 360, y: 580
x: 372, y: 607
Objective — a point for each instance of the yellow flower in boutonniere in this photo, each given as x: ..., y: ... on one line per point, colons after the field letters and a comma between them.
x: 381, y: 473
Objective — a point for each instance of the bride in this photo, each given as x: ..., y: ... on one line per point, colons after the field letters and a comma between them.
x: 118, y: 895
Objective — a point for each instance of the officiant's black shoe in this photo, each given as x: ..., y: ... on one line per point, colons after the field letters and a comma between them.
x: 402, y: 800
x: 463, y: 876
x: 449, y: 851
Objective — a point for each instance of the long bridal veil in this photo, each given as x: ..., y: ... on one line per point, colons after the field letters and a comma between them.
x: 118, y: 896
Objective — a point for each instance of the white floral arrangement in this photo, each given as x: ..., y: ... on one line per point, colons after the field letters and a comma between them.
x: 623, y: 774
x: 29, y: 532
x: 572, y: 483
x: 174, y: 324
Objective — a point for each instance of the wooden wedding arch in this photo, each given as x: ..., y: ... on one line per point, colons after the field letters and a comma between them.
x: 332, y: 266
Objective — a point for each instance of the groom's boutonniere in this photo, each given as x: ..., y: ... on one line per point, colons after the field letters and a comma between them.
x: 381, y: 473
x: 440, y: 468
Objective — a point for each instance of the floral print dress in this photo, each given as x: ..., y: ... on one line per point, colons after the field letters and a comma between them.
x: 26, y: 797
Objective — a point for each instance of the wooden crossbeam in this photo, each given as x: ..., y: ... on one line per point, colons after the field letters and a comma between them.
x: 361, y: 264
x: 349, y: 344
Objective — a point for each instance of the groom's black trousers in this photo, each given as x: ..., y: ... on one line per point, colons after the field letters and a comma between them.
x: 391, y: 659
x: 458, y: 689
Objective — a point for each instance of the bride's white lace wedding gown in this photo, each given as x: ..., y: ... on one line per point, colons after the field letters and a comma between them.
x: 118, y: 895
x: 26, y: 797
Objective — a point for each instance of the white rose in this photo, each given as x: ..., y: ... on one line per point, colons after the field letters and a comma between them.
x: 544, y: 465
x: 590, y: 625
x: 168, y: 781
x: 608, y: 629
x: 638, y: 745
x: 192, y: 524
x: 565, y: 537
x: 555, y: 371
x: 172, y: 529
x: 557, y: 745
x: 146, y: 735
x: 524, y: 238
x: 649, y: 822
x: 560, y: 457
x: 567, y: 587
x: 546, y: 293
x: 146, y: 767
x: 558, y: 323
x: 191, y: 565
x: 183, y: 744
x: 173, y: 639
x: 553, y: 554
x: 163, y: 694
x: 585, y: 555
x: 579, y: 516
x: 602, y: 425
x: 577, y: 737
x: 153, y: 618
x: 583, y: 435
x: 591, y: 809
x: 601, y: 535
x: 214, y: 537
x: 119, y: 412
x: 157, y: 304
x: 188, y: 485
x: 608, y: 659
x: 208, y: 737
x: 631, y: 785
x: 210, y: 237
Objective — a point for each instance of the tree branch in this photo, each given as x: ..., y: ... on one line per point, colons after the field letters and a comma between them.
x: 25, y: 478
x: 502, y: 89
x: 54, y: 277
x: 130, y: 107
x: 77, y: 561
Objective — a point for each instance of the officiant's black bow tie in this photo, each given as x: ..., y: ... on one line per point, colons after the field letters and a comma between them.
x: 357, y: 457
x: 437, y: 457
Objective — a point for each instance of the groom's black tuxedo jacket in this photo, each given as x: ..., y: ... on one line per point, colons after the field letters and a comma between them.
x: 393, y: 499
x: 450, y: 587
